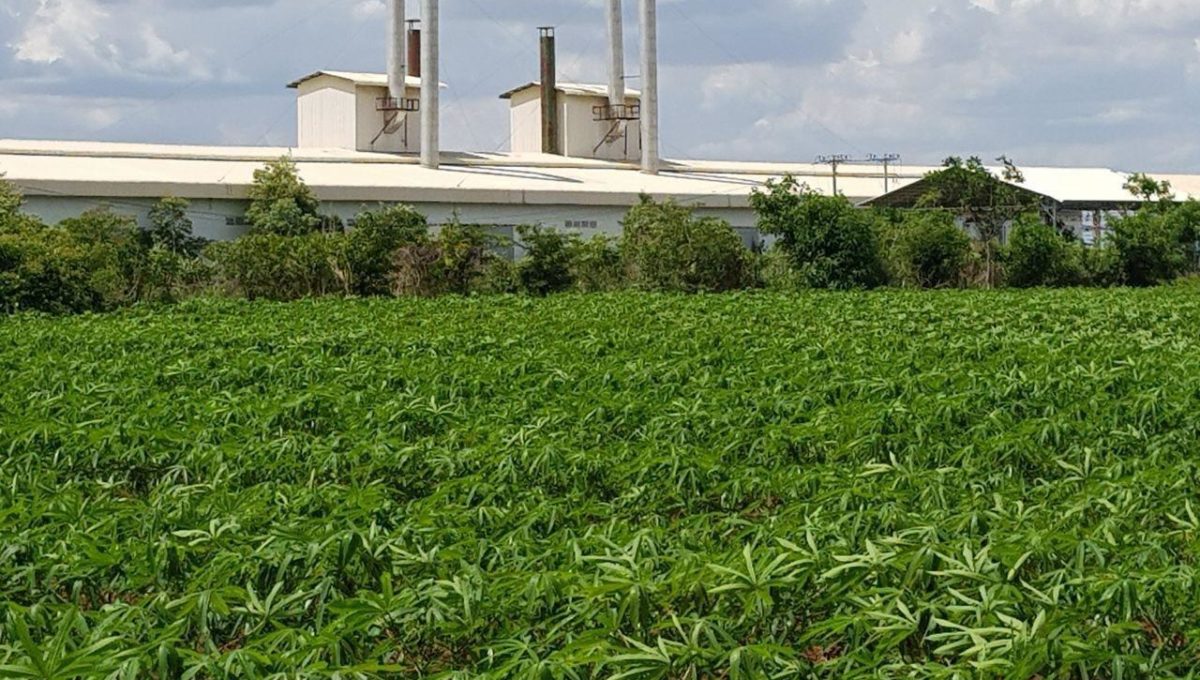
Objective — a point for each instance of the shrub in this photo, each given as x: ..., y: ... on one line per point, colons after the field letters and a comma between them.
x: 666, y: 248
x: 596, y: 264
x: 373, y: 241
x: 171, y: 228
x: 280, y: 202
x: 1151, y: 247
x: 278, y: 267
x: 455, y: 261
x: 11, y: 200
x: 466, y: 251
x: 43, y: 269
x: 1038, y: 255
x: 546, y: 266
x: 776, y: 273
x: 114, y: 253
x: 831, y: 243
x: 500, y: 276
x: 931, y: 249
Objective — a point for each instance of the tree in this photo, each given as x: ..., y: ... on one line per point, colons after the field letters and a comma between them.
x: 373, y: 241
x: 1038, y: 255
x: 830, y: 242
x: 932, y: 249
x: 171, y: 228
x: 666, y: 248
x: 546, y: 267
x: 11, y: 200
x: 596, y: 264
x: 985, y: 203
x: 115, y: 253
x: 281, y: 203
x: 1152, y: 246
x: 1148, y: 189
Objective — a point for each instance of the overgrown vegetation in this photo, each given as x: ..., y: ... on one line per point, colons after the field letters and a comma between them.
x: 605, y: 486
x: 666, y: 248
x: 103, y: 260
x: 831, y: 244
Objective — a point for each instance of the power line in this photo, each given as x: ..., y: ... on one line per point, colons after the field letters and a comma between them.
x: 700, y: 29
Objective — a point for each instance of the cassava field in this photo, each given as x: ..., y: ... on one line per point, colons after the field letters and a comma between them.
x: 926, y: 485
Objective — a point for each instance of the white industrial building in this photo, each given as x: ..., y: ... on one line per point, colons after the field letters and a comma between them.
x: 581, y: 155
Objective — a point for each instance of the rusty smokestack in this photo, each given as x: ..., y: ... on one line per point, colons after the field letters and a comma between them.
x: 549, y: 92
x: 414, y: 48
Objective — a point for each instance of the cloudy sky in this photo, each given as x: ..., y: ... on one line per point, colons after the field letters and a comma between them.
x: 1053, y: 82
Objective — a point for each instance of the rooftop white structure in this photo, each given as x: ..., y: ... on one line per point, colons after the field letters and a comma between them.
x: 356, y: 111
x: 585, y: 125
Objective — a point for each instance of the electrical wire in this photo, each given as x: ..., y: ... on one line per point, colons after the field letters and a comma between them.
x: 256, y: 45
x: 739, y: 61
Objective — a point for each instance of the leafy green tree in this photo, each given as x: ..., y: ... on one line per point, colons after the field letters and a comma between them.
x: 11, y: 200
x: 596, y: 264
x: 465, y: 252
x: 985, y: 203
x: 1038, y: 255
x: 546, y: 267
x: 274, y: 267
x: 1148, y: 189
x: 830, y: 242
x: 115, y: 253
x: 171, y: 228
x: 932, y: 249
x: 666, y: 248
x: 372, y: 243
x: 1153, y: 246
x: 281, y: 203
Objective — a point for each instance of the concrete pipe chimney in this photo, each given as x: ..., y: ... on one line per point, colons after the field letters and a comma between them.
x: 650, y: 157
x: 397, y: 54
x: 549, y: 92
x: 430, y: 113
x: 616, y: 64
x: 414, y: 48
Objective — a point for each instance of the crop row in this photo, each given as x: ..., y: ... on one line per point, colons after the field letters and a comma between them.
x: 610, y: 486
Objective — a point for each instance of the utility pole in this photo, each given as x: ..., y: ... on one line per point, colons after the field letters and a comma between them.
x: 835, y: 161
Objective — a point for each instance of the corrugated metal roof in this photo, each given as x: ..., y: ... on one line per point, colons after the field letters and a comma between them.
x: 578, y: 89
x: 1184, y: 186
x: 358, y: 78
x: 1083, y: 186
x: 149, y: 171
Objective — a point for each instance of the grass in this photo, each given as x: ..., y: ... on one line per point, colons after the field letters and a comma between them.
x: 946, y: 485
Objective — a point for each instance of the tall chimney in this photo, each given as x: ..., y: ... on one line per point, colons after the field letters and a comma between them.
x: 549, y: 92
x: 616, y: 65
x: 650, y: 158
x: 414, y: 48
x: 430, y: 113
x: 397, y: 55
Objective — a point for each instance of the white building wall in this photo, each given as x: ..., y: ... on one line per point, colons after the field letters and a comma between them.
x: 525, y: 121
x: 585, y: 137
x: 224, y: 219
x: 371, y: 125
x: 326, y: 116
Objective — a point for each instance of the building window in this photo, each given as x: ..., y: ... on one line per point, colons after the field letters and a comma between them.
x: 240, y: 221
x: 582, y: 224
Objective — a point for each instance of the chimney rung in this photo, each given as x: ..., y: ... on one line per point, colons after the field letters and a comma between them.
x: 391, y: 104
x: 606, y: 112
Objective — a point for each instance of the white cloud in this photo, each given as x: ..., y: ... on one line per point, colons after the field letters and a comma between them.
x: 88, y: 35
x: 368, y: 9
x: 62, y: 27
